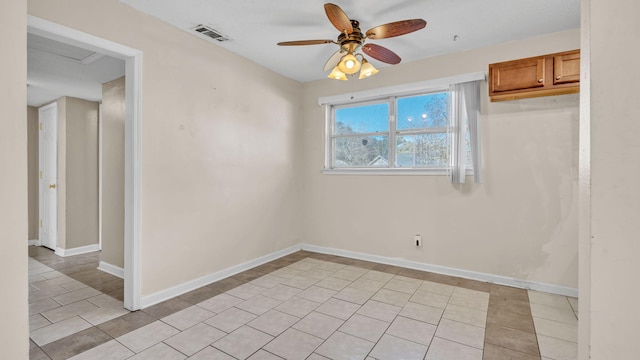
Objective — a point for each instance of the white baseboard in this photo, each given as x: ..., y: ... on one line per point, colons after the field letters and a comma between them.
x: 467, y: 274
x: 34, y: 242
x: 77, y: 251
x: 111, y: 269
x: 183, y: 288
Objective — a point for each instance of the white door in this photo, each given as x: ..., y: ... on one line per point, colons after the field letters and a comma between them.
x: 48, y: 152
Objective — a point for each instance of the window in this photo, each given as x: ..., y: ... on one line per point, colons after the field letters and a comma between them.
x: 395, y: 132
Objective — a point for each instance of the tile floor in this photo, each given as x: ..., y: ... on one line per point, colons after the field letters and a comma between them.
x: 305, y: 306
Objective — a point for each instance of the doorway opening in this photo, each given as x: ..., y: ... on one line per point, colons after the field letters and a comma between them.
x: 132, y: 139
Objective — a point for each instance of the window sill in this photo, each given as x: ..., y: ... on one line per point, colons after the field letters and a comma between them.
x: 398, y: 171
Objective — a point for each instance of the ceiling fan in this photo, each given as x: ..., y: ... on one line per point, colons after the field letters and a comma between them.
x: 351, y: 40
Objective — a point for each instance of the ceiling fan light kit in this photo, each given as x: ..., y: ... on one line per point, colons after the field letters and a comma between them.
x: 351, y: 40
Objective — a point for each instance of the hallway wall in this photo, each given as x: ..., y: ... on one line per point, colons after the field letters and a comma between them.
x: 32, y: 156
x: 14, y: 327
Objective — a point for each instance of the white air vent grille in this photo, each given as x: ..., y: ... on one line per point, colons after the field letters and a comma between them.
x: 210, y: 33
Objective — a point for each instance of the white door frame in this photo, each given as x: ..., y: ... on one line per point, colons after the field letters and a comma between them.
x: 44, y: 181
x: 133, y: 138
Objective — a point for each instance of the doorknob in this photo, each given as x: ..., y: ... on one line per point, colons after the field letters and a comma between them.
x: 52, y: 186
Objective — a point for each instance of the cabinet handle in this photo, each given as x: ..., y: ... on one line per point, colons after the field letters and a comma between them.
x: 558, y: 77
x: 540, y: 80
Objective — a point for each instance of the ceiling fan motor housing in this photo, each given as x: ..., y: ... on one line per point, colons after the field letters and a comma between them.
x: 349, y: 42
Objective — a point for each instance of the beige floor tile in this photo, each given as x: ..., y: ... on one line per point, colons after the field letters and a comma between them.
x: 347, y: 274
x: 231, y: 319
x: 242, y: 342
x: 105, y: 301
x: 104, y: 314
x: 556, y: 329
x: 566, y: 316
x: 286, y: 273
x: 259, y: 304
x: 364, y: 327
x: 428, y: 314
x: 293, y: 344
x: 147, y: 336
x: 413, y: 330
x: 76, y: 295
x: 494, y: 352
x: 68, y: 311
x: 403, y: 284
x: 391, y: 297
x: 338, y: 308
x: 331, y: 266
x: 379, y: 310
x: 319, y: 325
x: 462, y: 333
x: 557, y: 349
x: 430, y: 299
x: 220, y: 303
x: 273, y: 322
x: 37, y: 321
x: 377, y: 275
x: 317, y: 294
x: 58, y: 330
x: 333, y: 283
x: 42, y: 306
x: 195, y: 338
x: 267, y: 281
x: 559, y: 301
x: 318, y: 274
x: 188, y: 317
x: 282, y: 292
x: 300, y: 282
x: 315, y: 356
x: 211, y: 353
x: 356, y: 296
x: 368, y: 284
x: 297, y: 307
x: 509, y: 338
x: 392, y: 348
x: 574, y: 303
x: 263, y: 355
x: 341, y: 346
x: 437, y: 288
x: 303, y: 265
x: 159, y: 351
x: 246, y: 291
x: 470, y: 298
x: 111, y: 350
x: 465, y: 315
x: 442, y: 349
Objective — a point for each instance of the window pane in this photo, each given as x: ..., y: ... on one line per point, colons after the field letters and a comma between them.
x: 424, y: 111
x: 424, y: 150
x: 362, y: 119
x: 357, y: 151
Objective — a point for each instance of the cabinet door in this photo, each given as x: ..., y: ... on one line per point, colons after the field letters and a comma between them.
x: 566, y: 68
x: 516, y: 75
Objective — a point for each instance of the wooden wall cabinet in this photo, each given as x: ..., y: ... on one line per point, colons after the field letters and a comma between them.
x: 546, y: 75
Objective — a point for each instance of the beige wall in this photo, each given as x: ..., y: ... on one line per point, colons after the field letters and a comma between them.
x: 32, y: 156
x: 81, y: 170
x: 113, y: 116
x: 219, y: 175
x: 14, y: 329
x: 615, y: 168
x: 521, y: 223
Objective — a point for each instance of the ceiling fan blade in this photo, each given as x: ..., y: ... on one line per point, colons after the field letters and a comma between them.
x: 338, y: 18
x: 333, y: 60
x: 396, y: 28
x: 381, y: 53
x: 305, y: 42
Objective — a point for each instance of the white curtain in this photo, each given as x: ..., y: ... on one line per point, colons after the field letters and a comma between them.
x: 465, y: 108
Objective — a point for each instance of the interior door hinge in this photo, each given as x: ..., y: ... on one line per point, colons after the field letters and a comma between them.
x: 40, y: 126
x: 40, y: 174
x: 40, y: 223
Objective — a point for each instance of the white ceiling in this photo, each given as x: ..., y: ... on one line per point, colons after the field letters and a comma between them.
x: 55, y: 69
x: 255, y: 26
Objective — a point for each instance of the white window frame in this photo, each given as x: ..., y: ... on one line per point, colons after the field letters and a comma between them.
x: 389, y: 94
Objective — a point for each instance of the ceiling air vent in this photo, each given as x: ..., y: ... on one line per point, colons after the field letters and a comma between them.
x: 210, y: 33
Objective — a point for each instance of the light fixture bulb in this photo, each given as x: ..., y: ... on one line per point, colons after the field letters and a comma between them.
x: 349, y: 64
x: 336, y: 74
x: 367, y: 69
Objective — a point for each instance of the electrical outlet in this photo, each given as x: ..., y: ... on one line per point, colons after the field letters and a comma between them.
x: 417, y: 239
